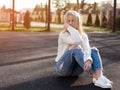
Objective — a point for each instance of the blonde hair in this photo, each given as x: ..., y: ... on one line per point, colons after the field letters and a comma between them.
x: 77, y: 18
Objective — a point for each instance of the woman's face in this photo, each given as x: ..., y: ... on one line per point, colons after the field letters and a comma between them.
x: 70, y: 20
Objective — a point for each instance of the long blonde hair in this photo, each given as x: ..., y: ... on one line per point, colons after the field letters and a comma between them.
x: 77, y: 18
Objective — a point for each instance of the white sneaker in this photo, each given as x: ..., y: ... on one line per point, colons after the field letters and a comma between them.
x: 102, y: 82
x: 107, y: 80
x: 94, y: 79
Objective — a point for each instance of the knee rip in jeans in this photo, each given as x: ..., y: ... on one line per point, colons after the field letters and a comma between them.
x: 61, y: 66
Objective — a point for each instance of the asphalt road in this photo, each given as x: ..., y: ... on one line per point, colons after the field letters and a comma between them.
x: 27, y: 61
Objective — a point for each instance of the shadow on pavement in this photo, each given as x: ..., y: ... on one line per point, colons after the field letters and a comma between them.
x: 52, y: 83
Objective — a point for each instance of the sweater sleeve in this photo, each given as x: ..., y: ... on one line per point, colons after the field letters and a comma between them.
x: 72, y: 36
x: 86, y: 48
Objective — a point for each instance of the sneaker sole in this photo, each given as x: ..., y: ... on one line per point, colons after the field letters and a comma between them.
x: 102, y: 86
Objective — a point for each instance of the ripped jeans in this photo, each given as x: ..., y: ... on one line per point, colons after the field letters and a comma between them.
x: 72, y: 62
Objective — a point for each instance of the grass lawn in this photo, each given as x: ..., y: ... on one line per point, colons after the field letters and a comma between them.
x: 93, y: 28
x: 41, y: 29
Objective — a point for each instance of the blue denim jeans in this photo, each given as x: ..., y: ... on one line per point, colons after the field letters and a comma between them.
x: 72, y: 62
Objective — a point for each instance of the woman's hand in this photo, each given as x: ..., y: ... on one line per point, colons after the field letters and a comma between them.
x: 87, y: 65
x: 66, y: 26
x: 71, y: 47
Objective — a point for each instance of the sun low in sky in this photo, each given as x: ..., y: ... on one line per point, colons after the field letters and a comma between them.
x: 19, y: 4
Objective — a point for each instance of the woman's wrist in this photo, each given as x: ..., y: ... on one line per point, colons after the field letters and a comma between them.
x: 90, y: 61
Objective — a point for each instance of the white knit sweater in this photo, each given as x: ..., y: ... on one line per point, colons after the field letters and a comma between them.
x: 72, y: 37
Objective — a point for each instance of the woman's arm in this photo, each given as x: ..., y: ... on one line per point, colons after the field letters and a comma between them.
x: 87, y: 52
x: 86, y: 48
x: 71, y: 36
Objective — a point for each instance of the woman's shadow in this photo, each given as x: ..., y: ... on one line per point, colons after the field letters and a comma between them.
x: 75, y: 83
x: 54, y: 82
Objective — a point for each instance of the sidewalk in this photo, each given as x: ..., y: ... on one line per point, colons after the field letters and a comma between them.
x: 27, y: 61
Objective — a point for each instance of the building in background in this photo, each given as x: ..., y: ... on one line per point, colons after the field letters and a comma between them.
x: 6, y: 14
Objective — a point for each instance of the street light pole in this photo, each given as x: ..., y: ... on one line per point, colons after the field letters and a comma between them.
x: 13, y: 2
x: 78, y: 4
x: 114, y: 17
x: 48, y: 15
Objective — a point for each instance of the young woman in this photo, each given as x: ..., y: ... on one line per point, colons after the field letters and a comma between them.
x: 75, y: 54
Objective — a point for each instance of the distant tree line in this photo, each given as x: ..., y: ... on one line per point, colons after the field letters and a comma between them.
x: 87, y: 9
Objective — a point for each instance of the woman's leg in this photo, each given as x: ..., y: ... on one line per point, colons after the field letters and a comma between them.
x: 79, y: 62
x: 70, y: 63
x: 98, y: 78
x: 77, y: 69
x: 64, y: 66
x: 97, y: 63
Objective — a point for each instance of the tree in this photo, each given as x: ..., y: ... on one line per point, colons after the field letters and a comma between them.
x: 95, y: 7
x: 97, y: 21
x: 37, y: 8
x: 89, y: 20
x: 104, y: 21
x: 82, y: 4
x: 118, y: 22
x: 59, y: 5
x: 110, y: 19
x: 27, y: 20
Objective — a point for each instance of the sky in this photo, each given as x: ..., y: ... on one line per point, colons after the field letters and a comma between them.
x: 19, y: 4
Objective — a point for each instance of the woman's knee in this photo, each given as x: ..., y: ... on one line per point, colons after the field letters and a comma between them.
x: 60, y: 71
x: 94, y: 49
x: 78, y: 52
x: 95, y: 52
